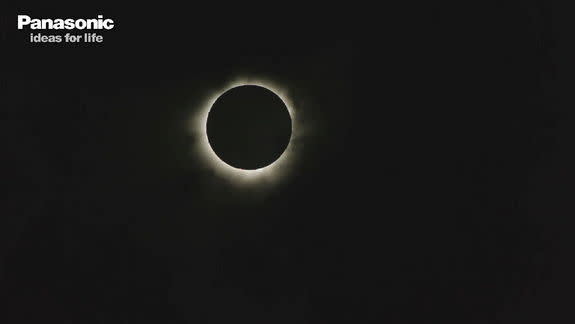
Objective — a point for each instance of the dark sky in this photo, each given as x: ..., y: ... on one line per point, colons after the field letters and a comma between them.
x: 432, y: 181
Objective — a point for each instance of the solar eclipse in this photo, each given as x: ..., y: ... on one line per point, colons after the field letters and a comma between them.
x: 245, y: 132
x: 248, y: 127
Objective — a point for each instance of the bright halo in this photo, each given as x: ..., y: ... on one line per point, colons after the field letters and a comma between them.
x: 268, y: 174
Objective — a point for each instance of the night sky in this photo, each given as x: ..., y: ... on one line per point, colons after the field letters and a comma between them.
x: 430, y: 181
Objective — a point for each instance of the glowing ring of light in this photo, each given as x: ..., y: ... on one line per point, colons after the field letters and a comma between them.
x: 269, y: 173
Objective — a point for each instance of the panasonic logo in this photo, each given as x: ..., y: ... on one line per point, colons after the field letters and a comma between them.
x: 95, y: 23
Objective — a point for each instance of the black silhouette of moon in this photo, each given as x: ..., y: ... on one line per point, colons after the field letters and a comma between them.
x: 249, y: 127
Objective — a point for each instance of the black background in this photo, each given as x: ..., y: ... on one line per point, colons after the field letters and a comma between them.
x: 432, y: 183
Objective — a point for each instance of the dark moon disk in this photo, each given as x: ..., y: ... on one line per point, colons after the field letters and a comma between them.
x: 249, y: 127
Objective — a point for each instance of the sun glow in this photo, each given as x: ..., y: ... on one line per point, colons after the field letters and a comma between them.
x: 268, y: 174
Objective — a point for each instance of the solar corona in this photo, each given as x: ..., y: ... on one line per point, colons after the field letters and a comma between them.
x: 244, y: 132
